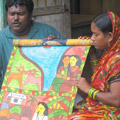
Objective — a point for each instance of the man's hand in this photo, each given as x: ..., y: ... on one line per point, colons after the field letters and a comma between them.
x: 52, y: 37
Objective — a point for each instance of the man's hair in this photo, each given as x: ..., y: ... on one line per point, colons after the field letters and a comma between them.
x: 28, y: 3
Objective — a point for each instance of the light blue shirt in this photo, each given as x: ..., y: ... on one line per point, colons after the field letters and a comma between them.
x: 39, y: 31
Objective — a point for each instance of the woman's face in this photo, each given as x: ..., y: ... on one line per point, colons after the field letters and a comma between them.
x: 73, y: 61
x: 40, y: 109
x: 100, y: 40
x: 66, y: 61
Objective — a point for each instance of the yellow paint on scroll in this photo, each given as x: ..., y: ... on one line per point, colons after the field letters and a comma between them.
x: 79, y: 42
x: 25, y: 42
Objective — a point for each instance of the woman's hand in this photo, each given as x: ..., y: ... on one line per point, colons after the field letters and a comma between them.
x: 52, y: 37
x: 83, y: 85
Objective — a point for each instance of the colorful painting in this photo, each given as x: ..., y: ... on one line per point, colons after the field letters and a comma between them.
x: 39, y: 80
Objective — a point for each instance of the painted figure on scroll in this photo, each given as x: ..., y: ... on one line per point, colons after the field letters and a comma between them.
x: 41, y: 112
x: 103, y: 101
x: 66, y: 74
x: 21, y: 26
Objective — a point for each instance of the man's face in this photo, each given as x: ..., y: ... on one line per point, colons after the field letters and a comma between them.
x: 18, y: 18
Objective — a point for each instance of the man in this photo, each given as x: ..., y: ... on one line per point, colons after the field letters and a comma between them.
x: 20, y: 26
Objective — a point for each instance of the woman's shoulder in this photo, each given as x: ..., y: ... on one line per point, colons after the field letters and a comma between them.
x: 115, y: 57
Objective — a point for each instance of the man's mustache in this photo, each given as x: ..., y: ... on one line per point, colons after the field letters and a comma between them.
x: 16, y: 22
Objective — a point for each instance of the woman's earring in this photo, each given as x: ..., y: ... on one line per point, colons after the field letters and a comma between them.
x: 109, y: 44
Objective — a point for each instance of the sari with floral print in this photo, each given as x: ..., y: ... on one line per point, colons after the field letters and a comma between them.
x: 108, y: 70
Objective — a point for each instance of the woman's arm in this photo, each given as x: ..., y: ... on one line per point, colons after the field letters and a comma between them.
x: 63, y: 77
x: 112, y: 97
x: 109, y: 98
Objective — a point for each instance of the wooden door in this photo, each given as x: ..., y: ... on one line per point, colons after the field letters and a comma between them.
x: 55, y: 13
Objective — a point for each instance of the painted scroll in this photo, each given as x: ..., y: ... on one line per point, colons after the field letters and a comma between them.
x: 39, y: 80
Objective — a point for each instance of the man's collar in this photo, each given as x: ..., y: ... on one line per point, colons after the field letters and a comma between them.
x: 34, y: 30
x: 11, y: 34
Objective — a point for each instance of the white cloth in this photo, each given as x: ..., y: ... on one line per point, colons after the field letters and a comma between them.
x: 37, y: 117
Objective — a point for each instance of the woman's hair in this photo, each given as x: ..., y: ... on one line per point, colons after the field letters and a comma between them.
x: 103, y: 22
x: 28, y: 3
x: 46, y: 108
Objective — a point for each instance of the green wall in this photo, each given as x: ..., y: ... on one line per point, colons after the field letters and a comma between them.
x: 3, y: 21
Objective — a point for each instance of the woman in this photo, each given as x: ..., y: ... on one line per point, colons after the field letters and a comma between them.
x: 41, y: 112
x: 103, y: 101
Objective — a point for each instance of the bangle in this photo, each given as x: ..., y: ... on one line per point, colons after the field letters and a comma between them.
x: 94, y: 62
x: 92, y: 93
x: 95, y: 94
